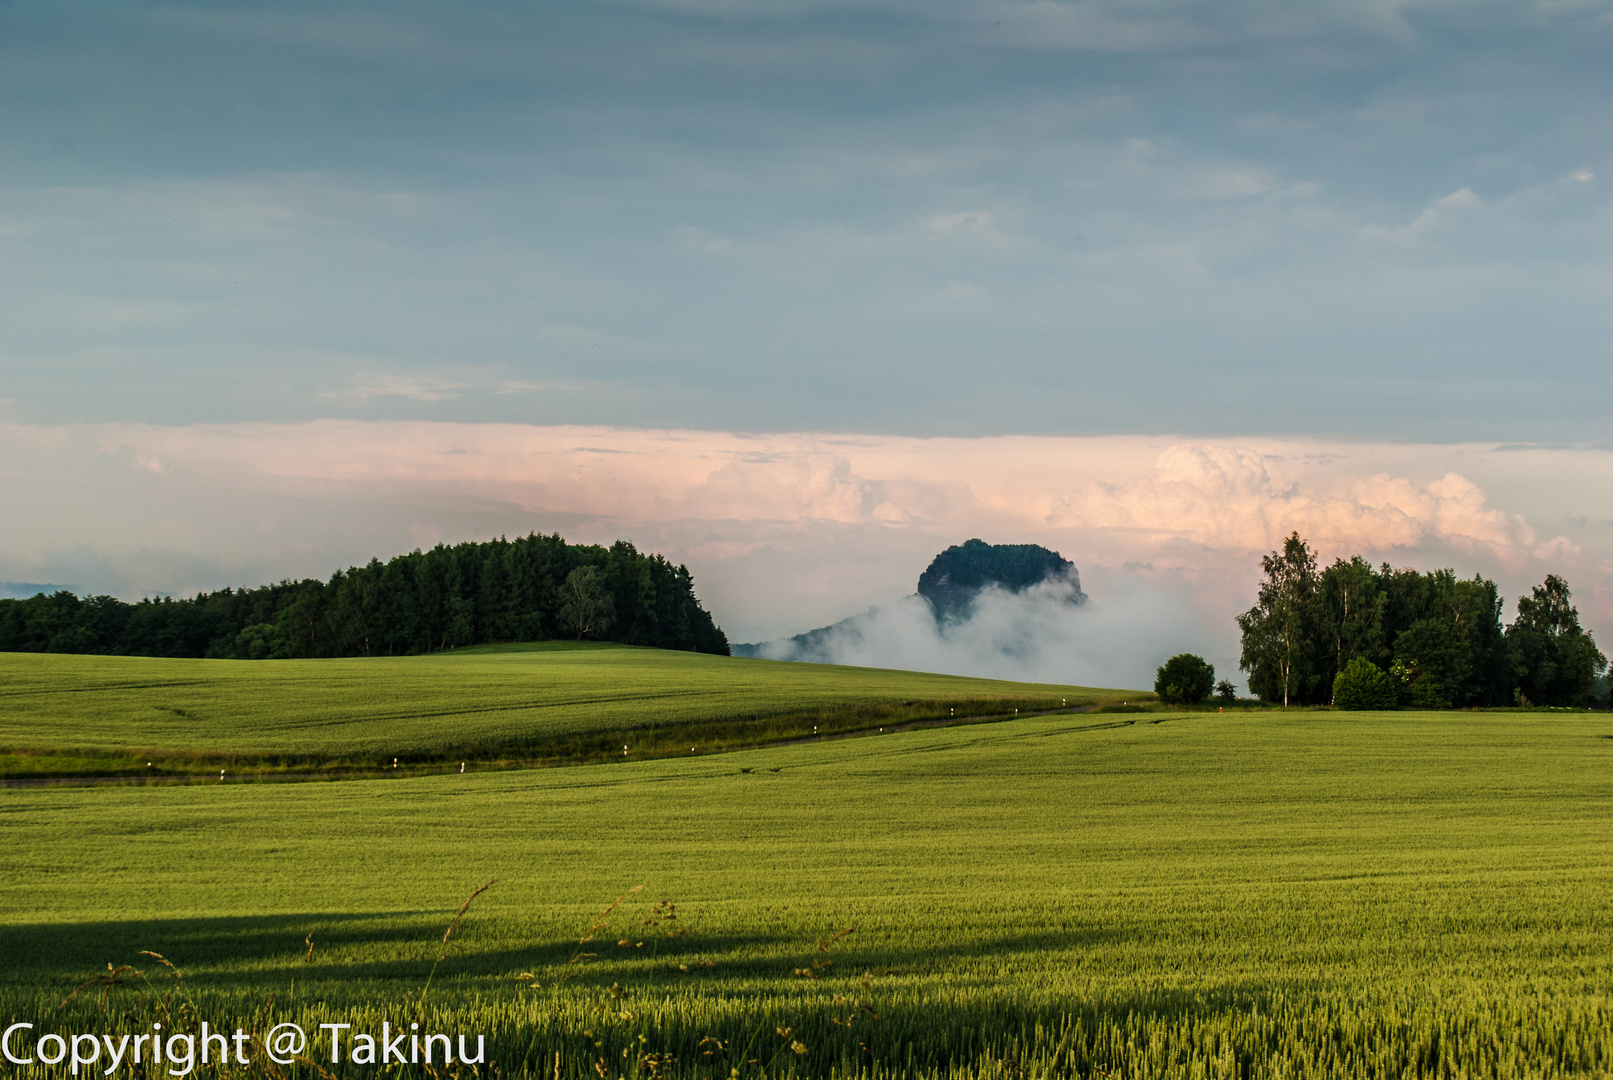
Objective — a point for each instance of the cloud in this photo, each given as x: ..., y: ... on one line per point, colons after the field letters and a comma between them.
x: 786, y: 532
x: 416, y: 387
x: 151, y: 464
x: 1043, y: 24
x: 426, y: 387
x: 1438, y: 213
x: 1225, y: 497
x: 969, y: 221
x: 976, y: 228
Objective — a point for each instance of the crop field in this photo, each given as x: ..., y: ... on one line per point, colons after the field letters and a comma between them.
x: 134, y: 716
x: 1158, y: 895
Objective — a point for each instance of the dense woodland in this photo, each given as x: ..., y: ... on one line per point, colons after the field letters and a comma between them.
x: 529, y: 589
x: 1439, y: 637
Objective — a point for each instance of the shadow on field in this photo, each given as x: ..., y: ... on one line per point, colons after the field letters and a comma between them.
x: 245, y: 951
x: 237, y: 950
x: 931, y: 1007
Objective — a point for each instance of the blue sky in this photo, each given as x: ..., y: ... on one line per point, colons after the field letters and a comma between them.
x: 286, y: 287
x: 1378, y: 220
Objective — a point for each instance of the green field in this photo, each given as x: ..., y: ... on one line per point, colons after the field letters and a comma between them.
x: 1183, y: 895
x: 112, y: 715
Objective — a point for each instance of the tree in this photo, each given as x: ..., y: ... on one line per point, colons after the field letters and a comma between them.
x: 501, y: 590
x: 1226, y: 692
x: 585, y: 606
x: 1363, y: 685
x: 1277, y: 631
x: 1184, y: 679
x: 262, y: 641
x: 1352, y: 610
x: 1440, y: 636
x: 1554, y: 661
x: 1431, y: 664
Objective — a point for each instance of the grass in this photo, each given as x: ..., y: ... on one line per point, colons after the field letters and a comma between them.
x: 63, y: 716
x: 1183, y: 895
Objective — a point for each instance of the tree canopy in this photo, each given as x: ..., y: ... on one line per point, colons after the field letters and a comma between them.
x: 528, y: 589
x: 1184, y: 679
x: 1364, y: 685
x: 1553, y: 660
x: 1438, y: 637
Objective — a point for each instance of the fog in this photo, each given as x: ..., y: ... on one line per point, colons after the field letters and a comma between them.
x: 1116, y: 639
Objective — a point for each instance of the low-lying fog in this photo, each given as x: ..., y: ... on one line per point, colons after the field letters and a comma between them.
x: 1113, y: 639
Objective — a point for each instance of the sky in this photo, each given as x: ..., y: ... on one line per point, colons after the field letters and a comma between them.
x: 801, y: 292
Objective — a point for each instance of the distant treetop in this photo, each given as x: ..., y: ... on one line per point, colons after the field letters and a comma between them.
x: 527, y: 589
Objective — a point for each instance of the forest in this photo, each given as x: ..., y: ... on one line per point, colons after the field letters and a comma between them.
x: 532, y: 588
x: 1437, y: 637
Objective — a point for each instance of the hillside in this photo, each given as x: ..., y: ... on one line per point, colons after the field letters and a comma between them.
x: 105, y: 716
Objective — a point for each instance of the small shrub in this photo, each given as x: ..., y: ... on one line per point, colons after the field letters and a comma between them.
x: 1184, y: 679
x: 1363, y: 685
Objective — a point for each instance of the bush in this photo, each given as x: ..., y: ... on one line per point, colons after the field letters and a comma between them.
x: 1184, y: 680
x: 1363, y: 685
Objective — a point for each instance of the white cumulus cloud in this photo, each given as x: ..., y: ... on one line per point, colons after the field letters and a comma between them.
x: 1225, y: 496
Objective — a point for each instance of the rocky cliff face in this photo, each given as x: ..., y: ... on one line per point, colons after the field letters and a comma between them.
x: 956, y: 576
x: 948, y: 589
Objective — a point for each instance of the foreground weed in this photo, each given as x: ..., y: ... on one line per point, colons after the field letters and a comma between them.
x: 446, y: 934
x: 847, y: 1011
x: 582, y: 956
x: 819, y: 967
x: 114, y: 978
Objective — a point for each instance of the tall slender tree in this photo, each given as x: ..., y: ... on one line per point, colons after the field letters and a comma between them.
x: 1277, y: 646
x: 1352, y: 612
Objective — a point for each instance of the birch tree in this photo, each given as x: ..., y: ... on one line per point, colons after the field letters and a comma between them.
x: 1277, y: 630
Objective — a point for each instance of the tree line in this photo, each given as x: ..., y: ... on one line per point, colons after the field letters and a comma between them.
x: 532, y: 588
x: 1437, y: 639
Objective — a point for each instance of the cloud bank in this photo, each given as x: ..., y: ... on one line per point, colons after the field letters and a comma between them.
x: 789, y: 532
x: 1226, y: 497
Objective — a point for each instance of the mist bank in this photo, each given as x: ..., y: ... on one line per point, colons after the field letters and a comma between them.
x: 1035, y: 635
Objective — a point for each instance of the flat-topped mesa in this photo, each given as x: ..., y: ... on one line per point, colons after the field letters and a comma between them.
x: 959, y: 574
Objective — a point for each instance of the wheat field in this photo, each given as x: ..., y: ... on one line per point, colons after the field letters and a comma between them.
x: 492, y: 706
x: 1153, y: 895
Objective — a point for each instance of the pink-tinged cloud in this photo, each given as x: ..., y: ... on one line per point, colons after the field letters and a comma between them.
x: 1238, y: 495
x: 789, y: 531
x: 1226, y: 497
